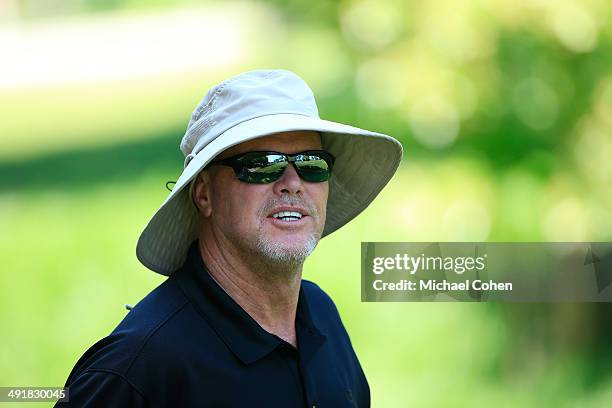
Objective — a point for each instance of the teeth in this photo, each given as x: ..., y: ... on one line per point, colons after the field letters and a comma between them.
x: 288, y: 215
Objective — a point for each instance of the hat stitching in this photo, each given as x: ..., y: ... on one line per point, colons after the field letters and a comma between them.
x: 199, y: 109
x: 199, y: 127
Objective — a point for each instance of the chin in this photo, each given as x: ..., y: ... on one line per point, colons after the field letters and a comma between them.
x: 287, y: 251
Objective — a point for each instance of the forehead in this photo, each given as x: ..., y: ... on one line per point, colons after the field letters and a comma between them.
x: 284, y: 142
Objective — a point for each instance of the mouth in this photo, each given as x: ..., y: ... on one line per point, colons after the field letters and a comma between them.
x: 288, y: 215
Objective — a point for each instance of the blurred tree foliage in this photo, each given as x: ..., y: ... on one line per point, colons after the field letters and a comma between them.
x: 524, y: 89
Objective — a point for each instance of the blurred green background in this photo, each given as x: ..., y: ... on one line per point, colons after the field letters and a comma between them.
x: 504, y: 108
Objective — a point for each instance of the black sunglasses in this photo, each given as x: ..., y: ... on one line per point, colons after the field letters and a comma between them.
x: 314, y: 166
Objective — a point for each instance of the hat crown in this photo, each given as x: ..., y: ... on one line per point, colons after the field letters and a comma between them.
x: 243, y: 97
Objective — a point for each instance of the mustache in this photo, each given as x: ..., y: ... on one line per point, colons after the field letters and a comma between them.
x: 289, y: 201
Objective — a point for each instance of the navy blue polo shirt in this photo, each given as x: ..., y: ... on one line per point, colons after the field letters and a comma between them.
x: 189, y: 344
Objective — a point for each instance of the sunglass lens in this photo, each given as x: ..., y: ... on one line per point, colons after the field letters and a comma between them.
x: 261, y: 168
x: 313, y: 168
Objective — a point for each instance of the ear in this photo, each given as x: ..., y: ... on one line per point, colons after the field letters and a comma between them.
x: 201, y: 194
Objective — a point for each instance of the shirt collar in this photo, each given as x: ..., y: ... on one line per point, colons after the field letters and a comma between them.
x: 238, y: 330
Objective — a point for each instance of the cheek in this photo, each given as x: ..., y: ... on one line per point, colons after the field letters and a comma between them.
x: 326, y: 194
x: 224, y: 207
x: 321, y: 195
x: 238, y: 206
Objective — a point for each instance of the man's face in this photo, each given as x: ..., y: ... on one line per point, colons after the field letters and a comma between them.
x: 242, y: 213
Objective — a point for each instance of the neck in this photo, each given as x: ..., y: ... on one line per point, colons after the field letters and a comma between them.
x: 267, y: 291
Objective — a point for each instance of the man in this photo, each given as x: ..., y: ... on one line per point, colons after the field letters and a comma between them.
x: 234, y: 325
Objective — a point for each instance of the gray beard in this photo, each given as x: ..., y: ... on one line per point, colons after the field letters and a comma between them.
x: 275, y: 252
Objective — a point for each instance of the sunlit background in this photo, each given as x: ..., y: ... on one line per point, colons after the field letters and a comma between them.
x: 504, y: 108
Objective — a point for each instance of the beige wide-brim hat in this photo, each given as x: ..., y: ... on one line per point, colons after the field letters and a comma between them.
x: 252, y: 105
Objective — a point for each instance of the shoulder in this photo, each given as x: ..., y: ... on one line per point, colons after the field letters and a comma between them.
x: 103, y: 388
x: 321, y: 305
x: 315, y: 294
x: 118, y: 351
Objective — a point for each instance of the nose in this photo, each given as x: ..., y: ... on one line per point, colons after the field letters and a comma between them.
x: 289, y: 183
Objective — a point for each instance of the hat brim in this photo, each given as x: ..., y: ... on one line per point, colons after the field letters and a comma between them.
x: 365, y: 162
